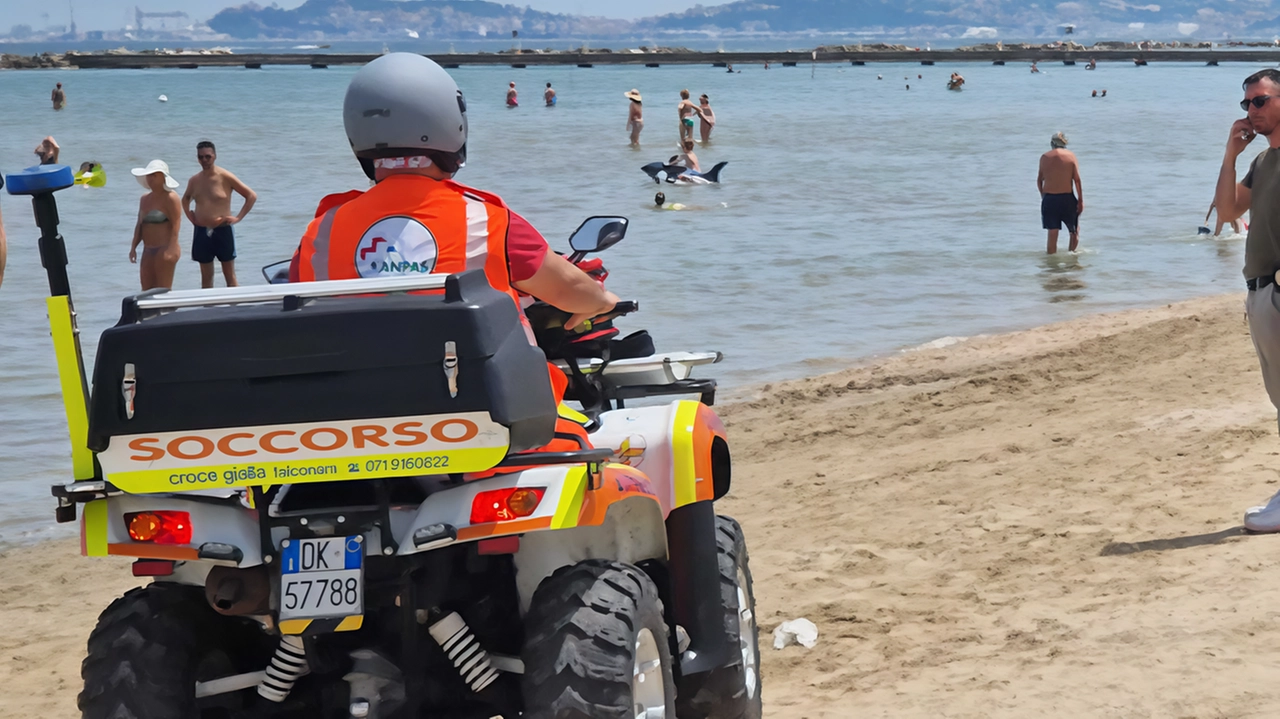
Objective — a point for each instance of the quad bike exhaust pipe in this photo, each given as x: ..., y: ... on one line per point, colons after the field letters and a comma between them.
x: 237, y: 592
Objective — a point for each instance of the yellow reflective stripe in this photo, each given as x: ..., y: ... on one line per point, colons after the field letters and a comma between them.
x: 70, y: 378
x: 350, y: 624
x: 682, y: 453
x: 263, y: 474
x: 572, y: 492
x: 573, y: 415
x: 294, y: 626
x: 93, y: 532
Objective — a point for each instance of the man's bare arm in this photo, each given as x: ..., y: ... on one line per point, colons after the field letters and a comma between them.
x: 1075, y: 178
x: 561, y: 284
x: 250, y: 197
x: 1040, y: 178
x: 186, y: 200
x: 1231, y: 197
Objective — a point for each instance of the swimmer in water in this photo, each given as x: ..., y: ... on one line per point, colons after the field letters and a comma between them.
x: 660, y: 203
x: 1033, y: 67
x: 688, y: 159
x: 47, y: 151
x: 511, y: 96
x: 549, y: 96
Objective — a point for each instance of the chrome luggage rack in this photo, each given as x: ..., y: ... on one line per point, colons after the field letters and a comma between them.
x: 160, y: 300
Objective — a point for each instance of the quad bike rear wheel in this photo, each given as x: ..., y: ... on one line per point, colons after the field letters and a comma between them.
x: 731, y: 692
x: 596, y: 646
x: 152, y: 645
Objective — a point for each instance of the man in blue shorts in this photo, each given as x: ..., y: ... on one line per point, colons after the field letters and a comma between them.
x: 1059, y: 171
x: 211, y: 189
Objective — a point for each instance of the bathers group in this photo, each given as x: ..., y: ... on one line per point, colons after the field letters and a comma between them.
x: 213, y: 242
x: 1058, y: 209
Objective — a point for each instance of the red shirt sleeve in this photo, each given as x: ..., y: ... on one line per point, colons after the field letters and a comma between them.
x: 526, y: 248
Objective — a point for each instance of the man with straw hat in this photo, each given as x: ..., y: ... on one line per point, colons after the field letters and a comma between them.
x: 1059, y: 171
x: 635, y: 118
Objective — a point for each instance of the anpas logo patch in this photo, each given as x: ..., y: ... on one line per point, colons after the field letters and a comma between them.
x: 396, y: 246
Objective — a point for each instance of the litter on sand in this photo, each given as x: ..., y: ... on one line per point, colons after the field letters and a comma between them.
x: 795, y: 631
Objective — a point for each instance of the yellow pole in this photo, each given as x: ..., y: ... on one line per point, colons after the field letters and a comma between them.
x: 66, y: 349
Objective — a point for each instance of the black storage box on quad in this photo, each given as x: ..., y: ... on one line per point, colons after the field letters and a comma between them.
x: 330, y: 359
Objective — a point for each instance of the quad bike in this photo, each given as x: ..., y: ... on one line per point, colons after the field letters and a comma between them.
x: 335, y: 490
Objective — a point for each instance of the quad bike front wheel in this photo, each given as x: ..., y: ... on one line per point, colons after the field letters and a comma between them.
x: 731, y: 692
x: 154, y: 644
x: 596, y: 646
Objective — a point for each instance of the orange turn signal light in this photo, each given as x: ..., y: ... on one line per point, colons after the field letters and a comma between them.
x: 502, y: 505
x: 159, y: 527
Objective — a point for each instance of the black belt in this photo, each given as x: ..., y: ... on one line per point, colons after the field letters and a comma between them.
x: 1258, y: 283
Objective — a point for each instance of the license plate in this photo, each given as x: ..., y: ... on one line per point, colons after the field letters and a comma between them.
x: 322, y: 577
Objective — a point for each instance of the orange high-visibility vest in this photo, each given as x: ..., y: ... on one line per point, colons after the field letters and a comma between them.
x: 409, y: 224
x: 406, y: 225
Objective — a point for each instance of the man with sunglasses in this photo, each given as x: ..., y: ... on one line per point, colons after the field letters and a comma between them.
x: 211, y: 189
x: 1259, y: 193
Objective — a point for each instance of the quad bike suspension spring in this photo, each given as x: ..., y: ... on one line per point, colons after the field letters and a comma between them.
x: 287, y: 666
x: 468, y: 657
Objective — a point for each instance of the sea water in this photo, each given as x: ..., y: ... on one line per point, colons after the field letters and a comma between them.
x: 855, y: 218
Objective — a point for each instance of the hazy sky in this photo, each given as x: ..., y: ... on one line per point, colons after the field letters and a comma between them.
x: 112, y: 14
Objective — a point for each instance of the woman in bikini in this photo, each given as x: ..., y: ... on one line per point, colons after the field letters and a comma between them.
x: 159, y: 221
x: 708, y: 118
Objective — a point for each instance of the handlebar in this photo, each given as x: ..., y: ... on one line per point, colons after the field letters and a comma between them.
x: 624, y: 307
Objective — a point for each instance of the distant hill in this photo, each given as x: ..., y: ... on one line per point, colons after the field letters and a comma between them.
x: 1090, y: 17
x: 982, y: 19
x: 332, y: 19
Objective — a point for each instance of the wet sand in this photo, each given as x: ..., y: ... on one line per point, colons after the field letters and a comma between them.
x: 1044, y: 523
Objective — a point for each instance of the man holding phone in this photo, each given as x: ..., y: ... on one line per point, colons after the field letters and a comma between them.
x: 1257, y: 193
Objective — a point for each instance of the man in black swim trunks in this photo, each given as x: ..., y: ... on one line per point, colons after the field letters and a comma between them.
x: 1059, y: 171
x: 211, y: 189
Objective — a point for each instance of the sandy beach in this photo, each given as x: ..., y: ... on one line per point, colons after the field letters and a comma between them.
x: 1043, y: 523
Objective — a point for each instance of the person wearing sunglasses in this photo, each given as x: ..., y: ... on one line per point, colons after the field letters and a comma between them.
x: 211, y: 190
x: 1258, y: 193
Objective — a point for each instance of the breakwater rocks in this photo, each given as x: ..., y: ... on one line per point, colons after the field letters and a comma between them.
x: 1136, y: 53
x: 31, y: 62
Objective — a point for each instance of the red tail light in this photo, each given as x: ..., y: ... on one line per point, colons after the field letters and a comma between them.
x: 160, y: 527
x: 502, y: 505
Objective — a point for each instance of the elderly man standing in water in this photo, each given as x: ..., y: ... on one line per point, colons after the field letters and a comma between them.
x: 1059, y: 171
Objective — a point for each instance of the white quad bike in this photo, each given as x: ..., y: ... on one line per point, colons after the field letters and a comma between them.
x: 333, y: 489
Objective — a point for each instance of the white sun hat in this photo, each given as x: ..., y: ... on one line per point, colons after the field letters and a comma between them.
x: 153, y: 167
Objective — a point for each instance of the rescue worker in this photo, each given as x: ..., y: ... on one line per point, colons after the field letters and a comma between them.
x: 407, y: 124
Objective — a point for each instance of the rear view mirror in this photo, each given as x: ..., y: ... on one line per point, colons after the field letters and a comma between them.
x: 277, y: 273
x: 598, y: 234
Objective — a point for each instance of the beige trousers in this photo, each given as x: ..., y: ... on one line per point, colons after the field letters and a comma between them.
x: 1264, y: 327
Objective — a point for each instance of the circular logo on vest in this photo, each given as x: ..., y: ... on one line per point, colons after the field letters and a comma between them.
x: 396, y: 247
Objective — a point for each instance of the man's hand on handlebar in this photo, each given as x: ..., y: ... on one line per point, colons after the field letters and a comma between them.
x: 581, y: 317
x: 560, y: 284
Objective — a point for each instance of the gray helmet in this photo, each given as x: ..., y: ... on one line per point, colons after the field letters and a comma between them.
x: 403, y: 104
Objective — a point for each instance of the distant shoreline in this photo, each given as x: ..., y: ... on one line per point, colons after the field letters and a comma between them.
x: 194, y: 60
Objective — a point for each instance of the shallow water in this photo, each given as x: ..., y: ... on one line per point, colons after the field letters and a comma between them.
x: 856, y: 217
